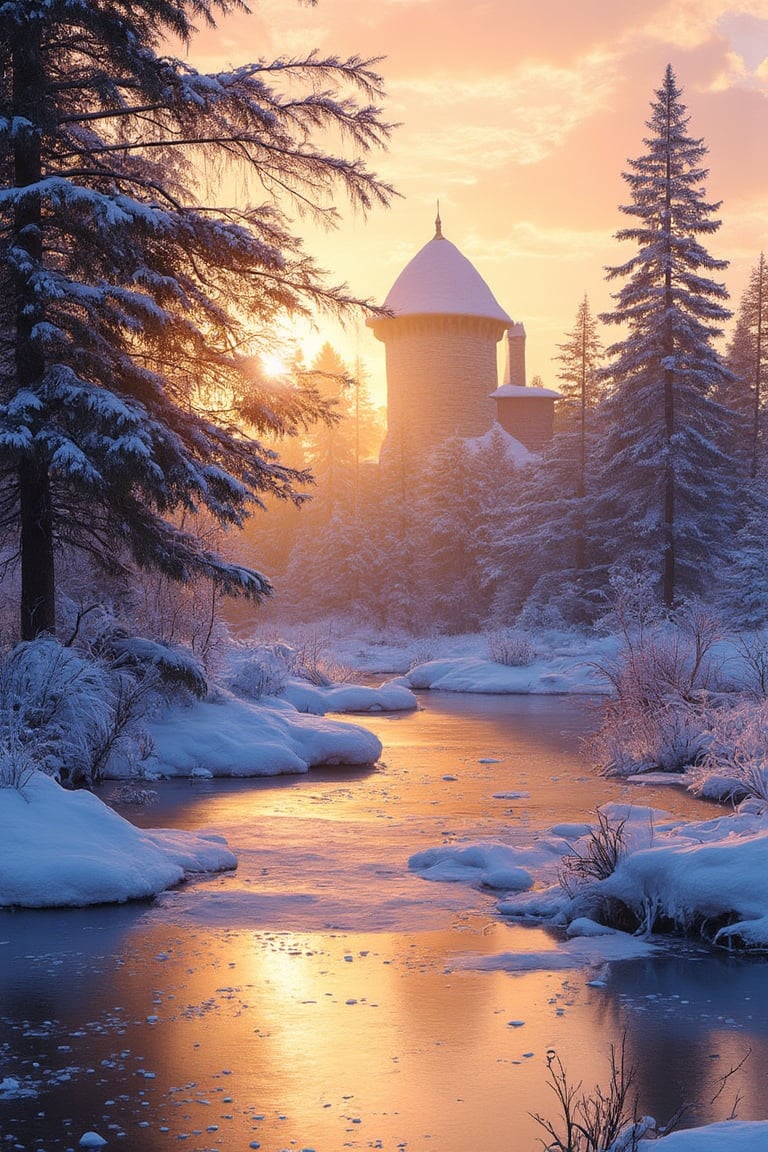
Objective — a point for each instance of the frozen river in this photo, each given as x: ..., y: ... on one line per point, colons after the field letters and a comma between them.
x: 323, y: 996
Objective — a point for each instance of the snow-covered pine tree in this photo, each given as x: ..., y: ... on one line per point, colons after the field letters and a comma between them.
x: 537, y: 539
x: 536, y: 533
x: 129, y: 301
x: 580, y: 385
x: 665, y: 478
x: 330, y: 446
x: 747, y: 358
x: 448, y: 510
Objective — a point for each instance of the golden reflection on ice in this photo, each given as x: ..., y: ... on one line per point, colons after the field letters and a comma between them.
x: 324, y: 997
x: 366, y: 1038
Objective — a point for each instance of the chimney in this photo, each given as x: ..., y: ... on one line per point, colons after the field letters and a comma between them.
x: 514, y: 373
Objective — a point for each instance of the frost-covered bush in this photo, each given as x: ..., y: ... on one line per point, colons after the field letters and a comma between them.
x: 511, y: 647
x: 259, y: 670
x: 18, y: 760
x: 420, y: 652
x: 263, y: 668
x: 169, y: 666
x: 311, y: 660
x: 134, y: 793
x: 661, y: 675
x: 55, y: 710
x: 634, y: 738
x: 64, y: 713
x: 735, y: 763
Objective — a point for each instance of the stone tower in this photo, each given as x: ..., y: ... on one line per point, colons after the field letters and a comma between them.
x: 440, y: 344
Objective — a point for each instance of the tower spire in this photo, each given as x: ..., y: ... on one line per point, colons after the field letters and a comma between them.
x: 438, y: 224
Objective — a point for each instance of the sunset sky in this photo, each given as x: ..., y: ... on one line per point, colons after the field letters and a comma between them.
x: 520, y: 116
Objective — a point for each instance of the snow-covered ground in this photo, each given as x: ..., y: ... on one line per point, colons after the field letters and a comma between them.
x: 559, y: 662
x: 549, y: 673
x: 728, y: 1136
x: 64, y: 848
x: 225, y: 736
x: 706, y: 875
x: 392, y: 696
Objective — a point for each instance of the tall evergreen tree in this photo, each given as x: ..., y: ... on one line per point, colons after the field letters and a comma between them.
x: 128, y: 301
x: 449, y: 509
x: 581, y: 386
x: 747, y: 358
x: 665, y: 477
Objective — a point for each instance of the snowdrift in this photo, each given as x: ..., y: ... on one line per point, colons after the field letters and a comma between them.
x: 705, y: 876
x: 226, y: 736
x: 68, y: 849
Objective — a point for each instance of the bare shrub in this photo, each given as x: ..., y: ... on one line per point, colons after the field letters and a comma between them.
x: 605, y: 1120
x: 64, y: 713
x: 753, y: 653
x: 312, y: 661
x: 608, y: 1119
x: 735, y: 763
x: 260, y: 670
x: 420, y: 653
x: 124, y: 732
x: 661, y: 676
x: 181, y: 614
x: 512, y: 648
x: 598, y: 855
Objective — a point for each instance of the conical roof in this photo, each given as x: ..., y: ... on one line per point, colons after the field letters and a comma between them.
x: 440, y: 281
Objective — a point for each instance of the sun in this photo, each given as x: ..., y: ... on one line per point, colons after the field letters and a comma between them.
x: 273, y: 364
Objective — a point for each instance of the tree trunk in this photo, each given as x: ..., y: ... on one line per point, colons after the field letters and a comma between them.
x: 38, y: 611
x: 38, y: 600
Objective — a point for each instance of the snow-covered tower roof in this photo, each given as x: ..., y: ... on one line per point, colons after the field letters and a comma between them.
x: 440, y: 337
x: 440, y: 281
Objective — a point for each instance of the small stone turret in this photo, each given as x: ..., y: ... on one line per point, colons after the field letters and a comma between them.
x: 526, y: 413
x: 440, y: 346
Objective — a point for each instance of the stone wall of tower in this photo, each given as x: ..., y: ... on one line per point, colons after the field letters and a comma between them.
x: 441, y: 371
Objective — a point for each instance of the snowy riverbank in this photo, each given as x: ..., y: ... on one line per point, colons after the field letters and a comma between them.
x: 639, y: 867
x: 66, y: 848
x: 60, y: 848
x: 225, y: 736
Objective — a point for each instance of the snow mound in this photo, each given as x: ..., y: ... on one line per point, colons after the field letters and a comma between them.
x: 559, y: 675
x: 389, y: 697
x: 68, y: 849
x: 492, y: 865
x: 709, y: 872
x: 733, y: 1135
x: 226, y: 736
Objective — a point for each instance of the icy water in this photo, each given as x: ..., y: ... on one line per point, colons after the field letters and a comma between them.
x: 319, y: 996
